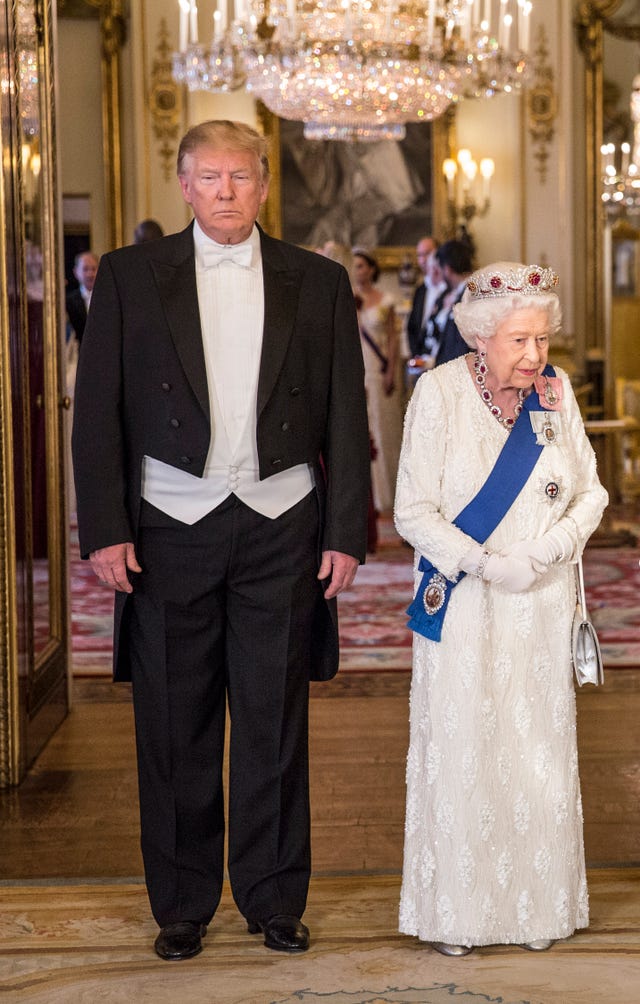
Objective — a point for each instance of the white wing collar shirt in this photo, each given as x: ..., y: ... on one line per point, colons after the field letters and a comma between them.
x: 431, y: 296
x: 86, y: 296
x: 231, y: 303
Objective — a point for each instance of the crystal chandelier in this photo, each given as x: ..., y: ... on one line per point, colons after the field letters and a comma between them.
x: 357, y: 69
x: 621, y: 172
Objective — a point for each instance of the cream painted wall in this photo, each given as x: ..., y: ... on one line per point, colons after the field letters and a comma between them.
x: 79, y: 119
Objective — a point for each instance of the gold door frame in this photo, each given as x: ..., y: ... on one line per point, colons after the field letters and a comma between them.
x: 9, y: 733
x: 113, y: 31
x: 54, y: 398
x: 33, y: 679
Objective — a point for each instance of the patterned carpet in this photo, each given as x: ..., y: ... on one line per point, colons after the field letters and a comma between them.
x: 372, y: 615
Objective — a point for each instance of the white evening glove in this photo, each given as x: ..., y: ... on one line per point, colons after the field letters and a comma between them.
x: 554, y: 545
x: 515, y: 574
x: 474, y: 561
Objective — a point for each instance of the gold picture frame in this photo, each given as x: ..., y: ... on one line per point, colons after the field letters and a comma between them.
x: 79, y: 8
x: 390, y: 256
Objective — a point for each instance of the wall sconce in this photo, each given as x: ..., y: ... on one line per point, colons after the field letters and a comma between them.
x: 464, y: 201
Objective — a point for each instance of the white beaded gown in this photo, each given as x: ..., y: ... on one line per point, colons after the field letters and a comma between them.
x: 384, y: 410
x: 493, y: 834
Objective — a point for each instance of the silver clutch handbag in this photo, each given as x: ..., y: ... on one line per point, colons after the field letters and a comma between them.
x: 585, y: 647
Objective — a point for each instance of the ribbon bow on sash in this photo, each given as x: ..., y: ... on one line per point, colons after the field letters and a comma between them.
x: 211, y: 254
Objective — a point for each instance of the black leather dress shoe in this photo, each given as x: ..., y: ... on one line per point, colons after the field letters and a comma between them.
x: 180, y: 941
x: 283, y: 933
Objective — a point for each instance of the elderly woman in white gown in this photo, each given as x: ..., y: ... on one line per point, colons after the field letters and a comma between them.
x: 493, y: 835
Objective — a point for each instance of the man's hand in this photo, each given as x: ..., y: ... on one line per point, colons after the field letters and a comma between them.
x: 341, y: 567
x: 110, y: 564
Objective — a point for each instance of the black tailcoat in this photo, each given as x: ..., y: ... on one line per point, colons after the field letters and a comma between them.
x: 77, y: 312
x: 142, y: 390
x: 415, y: 336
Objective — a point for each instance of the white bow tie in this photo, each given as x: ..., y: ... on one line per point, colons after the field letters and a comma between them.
x: 211, y: 255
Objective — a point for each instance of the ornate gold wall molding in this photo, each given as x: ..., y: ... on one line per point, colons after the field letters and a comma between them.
x: 113, y: 30
x: 165, y: 103
x: 270, y: 213
x: 78, y: 8
x: 590, y: 35
x: 589, y: 17
x: 542, y: 104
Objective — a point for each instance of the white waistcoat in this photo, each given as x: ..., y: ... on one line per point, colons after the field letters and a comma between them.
x: 231, y: 303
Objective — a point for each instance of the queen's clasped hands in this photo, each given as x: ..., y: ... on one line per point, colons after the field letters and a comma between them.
x: 518, y: 567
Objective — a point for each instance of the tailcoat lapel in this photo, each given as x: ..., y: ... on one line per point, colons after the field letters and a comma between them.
x: 421, y: 293
x: 176, y: 282
x: 281, y: 292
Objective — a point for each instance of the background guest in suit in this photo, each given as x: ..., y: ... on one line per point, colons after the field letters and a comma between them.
x: 455, y: 261
x: 426, y: 294
x: 147, y: 230
x: 85, y: 269
x: 221, y: 454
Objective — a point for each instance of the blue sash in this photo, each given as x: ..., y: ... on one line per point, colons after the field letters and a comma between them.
x: 480, y: 517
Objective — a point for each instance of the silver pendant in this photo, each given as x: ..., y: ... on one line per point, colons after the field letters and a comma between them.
x: 550, y: 395
x: 549, y: 432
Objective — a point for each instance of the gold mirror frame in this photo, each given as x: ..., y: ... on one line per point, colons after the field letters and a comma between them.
x: 33, y: 677
x: 54, y: 400
x: 389, y: 257
x: 590, y: 21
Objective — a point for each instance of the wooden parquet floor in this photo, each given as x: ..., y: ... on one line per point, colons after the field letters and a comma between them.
x: 75, y: 815
x: 75, y: 924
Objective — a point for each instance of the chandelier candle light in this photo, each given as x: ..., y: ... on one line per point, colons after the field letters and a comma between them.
x: 356, y: 69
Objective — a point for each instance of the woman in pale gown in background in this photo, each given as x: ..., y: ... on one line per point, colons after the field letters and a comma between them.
x: 380, y: 344
x: 493, y: 834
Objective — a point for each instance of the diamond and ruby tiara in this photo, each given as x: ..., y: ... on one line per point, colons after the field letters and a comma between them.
x: 524, y: 279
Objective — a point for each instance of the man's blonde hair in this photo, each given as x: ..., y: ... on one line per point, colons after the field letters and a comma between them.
x: 224, y: 134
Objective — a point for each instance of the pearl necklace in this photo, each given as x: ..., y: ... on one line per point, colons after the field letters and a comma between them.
x: 482, y: 369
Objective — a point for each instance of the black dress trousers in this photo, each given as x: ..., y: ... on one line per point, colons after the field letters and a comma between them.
x: 223, y: 611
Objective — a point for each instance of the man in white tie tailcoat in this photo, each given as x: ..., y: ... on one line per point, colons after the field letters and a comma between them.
x: 221, y: 461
